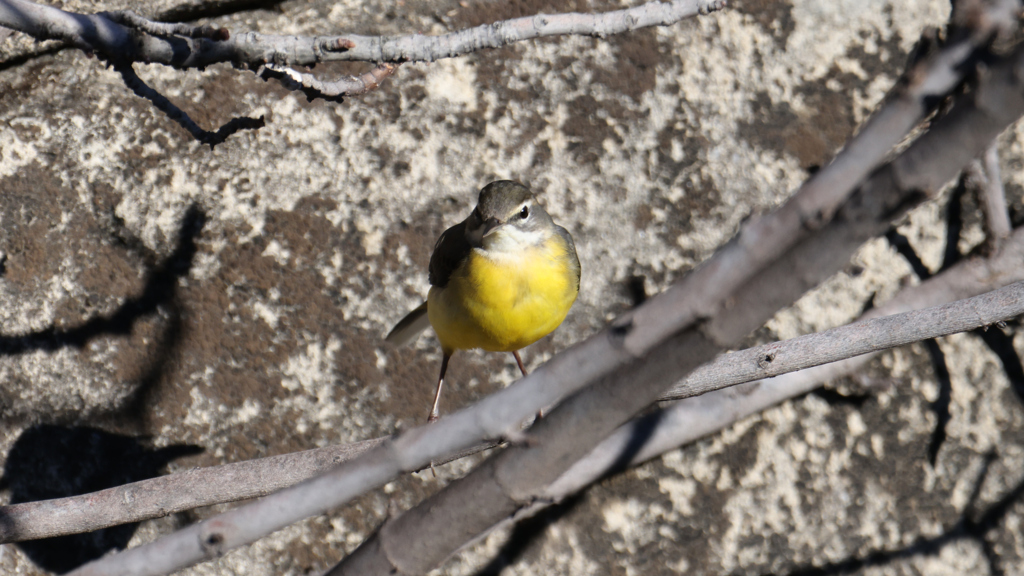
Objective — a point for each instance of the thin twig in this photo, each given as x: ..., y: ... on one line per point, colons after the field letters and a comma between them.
x: 141, y: 89
x: 165, y: 29
x: 997, y: 215
x: 333, y: 91
x: 123, y: 37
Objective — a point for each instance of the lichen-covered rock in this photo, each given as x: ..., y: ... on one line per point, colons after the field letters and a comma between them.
x: 235, y: 299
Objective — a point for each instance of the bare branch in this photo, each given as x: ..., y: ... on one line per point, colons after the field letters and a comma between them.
x: 46, y: 23
x: 232, y: 482
x: 993, y: 195
x: 641, y: 348
x: 696, y: 417
x: 424, y: 536
x: 331, y: 91
x: 205, y: 47
x: 132, y: 20
x: 124, y: 37
x: 862, y: 337
x: 165, y: 495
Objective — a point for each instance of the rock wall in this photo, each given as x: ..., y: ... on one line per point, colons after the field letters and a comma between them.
x: 158, y: 298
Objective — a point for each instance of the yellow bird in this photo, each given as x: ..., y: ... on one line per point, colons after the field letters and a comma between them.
x: 500, y: 280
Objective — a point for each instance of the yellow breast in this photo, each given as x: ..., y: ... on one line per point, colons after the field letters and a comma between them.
x: 504, y: 303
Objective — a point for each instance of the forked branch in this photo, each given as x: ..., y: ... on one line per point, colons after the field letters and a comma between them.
x: 123, y: 38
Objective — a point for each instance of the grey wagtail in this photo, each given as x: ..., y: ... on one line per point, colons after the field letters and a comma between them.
x: 500, y: 280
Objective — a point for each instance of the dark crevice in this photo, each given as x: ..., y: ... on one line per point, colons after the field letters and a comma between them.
x: 48, y: 461
x: 23, y: 59
x: 835, y: 398
x: 954, y: 224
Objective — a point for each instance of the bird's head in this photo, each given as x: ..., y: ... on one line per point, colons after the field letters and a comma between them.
x: 507, y: 218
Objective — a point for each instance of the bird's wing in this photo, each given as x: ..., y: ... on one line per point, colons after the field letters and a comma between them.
x: 408, y: 327
x: 571, y: 252
x: 451, y: 250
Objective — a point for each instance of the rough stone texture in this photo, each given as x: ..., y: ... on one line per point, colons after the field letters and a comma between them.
x: 236, y: 299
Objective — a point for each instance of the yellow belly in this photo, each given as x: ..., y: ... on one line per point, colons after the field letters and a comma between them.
x: 503, y: 304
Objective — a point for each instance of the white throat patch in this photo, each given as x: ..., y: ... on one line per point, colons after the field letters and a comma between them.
x: 509, y: 241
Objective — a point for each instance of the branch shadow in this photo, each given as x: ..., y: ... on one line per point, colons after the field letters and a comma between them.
x: 970, y: 526
x: 160, y: 287
x: 49, y: 461
x: 951, y: 256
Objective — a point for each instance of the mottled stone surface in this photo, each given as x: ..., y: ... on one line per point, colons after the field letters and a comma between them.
x: 236, y: 299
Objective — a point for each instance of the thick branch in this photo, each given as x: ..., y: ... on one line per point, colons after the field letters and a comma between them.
x: 424, y: 536
x: 203, y: 487
x: 696, y: 417
x: 615, y: 350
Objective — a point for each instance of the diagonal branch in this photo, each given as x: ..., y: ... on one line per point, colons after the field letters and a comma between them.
x: 644, y: 342
x: 231, y: 482
x: 997, y: 215
x: 509, y: 482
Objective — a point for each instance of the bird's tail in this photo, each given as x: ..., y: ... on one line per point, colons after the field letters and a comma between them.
x: 408, y: 327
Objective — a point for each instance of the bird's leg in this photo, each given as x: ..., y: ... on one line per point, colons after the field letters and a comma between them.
x: 519, y: 361
x: 540, y: 413
x: 435, y: 412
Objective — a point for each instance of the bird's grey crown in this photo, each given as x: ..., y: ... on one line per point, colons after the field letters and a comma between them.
x: 499, y: 199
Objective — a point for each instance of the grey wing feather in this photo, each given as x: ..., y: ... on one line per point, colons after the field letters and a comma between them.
x: 409, y: 327
x: 571, y: 250
x: 449, y: 252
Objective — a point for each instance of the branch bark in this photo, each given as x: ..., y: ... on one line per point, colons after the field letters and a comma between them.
x: 993, y: 196
x: 201, y: 47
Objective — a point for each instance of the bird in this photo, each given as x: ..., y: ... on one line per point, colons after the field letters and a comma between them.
x: 500, y: 280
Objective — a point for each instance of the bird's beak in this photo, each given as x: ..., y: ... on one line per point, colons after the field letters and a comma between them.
x: 489, y: 225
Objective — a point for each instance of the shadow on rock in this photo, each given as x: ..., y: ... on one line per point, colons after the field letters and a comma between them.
x: 159, y: 289
x: 529, y: 530
x: 50, y: 461
x: 974, y: 525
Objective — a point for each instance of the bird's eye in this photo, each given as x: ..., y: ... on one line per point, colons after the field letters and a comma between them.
x: 524, y: 213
